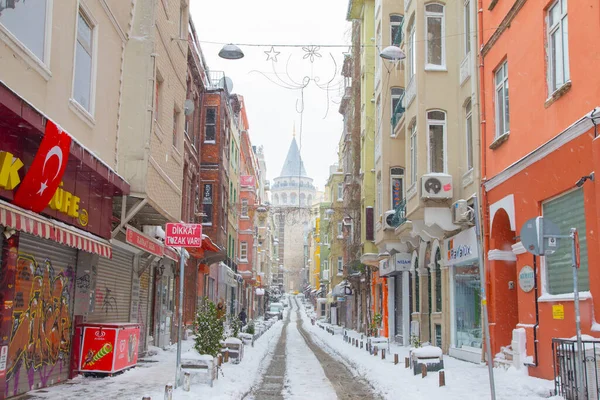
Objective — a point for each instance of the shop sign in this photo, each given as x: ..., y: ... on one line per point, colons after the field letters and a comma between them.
x: 144, y: 242
x: 183, y: 235
x: 385, y: 268
x: 172, y: 254
x: 526, y: 279
x: 340, y: 298
x: 558, y: 311
x: 3, y: 358
x: 461, y: 248
x: 403, y: 261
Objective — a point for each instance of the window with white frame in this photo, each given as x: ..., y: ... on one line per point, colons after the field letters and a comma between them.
x: 378, y: 60
x: 469, y: 133
x: 82, y: 83
x: 325, y: 265
x: 378, y: 195
x: 244, y: 211
x: 436, y: 129
x: 434, y: 31
x: 567, y: 211
x: 411, y: 49
x: 176, y: 115
x: 326, y: 240
x: 340, y: 231
x: 340, y: 191
x: 413, y: 152
x: 467, y: 27
x: 377, y: 147
x: 340, y: 266
x: 396, y: 186
x: 26, y: 21
x: 396, y: 29
x: 244, y: 251
x: 210, y: 124
x: 558, y: 45
x: 396, y: 103
x: 502, y: 109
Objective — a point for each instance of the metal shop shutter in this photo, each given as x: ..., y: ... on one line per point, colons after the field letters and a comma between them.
x: 113, y: 288
x: 42, y: 321
x: 567, y: 211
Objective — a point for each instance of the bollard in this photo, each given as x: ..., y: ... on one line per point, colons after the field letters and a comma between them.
x: 406, y: 362
x: 375, y: 351
x: 169, y: 391
x: 146, y: 398
x: 356, y: 343
x: 186, y: 381
x: 219, y: 359
x: 442, y: 377
x: 226, y: 356
x: 395, y: 359
x: 423, y: 370
x: 383, y: 354
x: 361, y: 344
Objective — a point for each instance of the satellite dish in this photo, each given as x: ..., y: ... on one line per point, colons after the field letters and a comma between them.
x: 188, y: 107
x: 227, y: 83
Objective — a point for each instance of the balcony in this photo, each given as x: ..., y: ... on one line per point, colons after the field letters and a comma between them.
x: 399, y: 214
x: 398, y: 112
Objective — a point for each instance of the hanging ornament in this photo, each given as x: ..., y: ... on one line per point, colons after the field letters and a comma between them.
x: 272, y: 54
x: 311, y: 52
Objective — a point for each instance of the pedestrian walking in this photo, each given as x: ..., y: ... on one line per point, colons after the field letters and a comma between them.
x: 243, y: 316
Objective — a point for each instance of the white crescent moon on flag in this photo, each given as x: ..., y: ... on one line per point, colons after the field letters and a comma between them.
x: 55, y: 151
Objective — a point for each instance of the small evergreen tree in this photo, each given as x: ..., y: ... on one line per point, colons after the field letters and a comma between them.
x: 236, y: 326
x: 209, y: 329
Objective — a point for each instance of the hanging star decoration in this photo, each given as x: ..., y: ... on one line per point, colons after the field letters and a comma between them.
x: 311, y: 53
x: 272, y: 54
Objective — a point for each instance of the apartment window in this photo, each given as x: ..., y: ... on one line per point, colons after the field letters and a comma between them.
x: 243, y: 251
x: 196, y: 208
x: 190, y: 121
x: 379, y: 195
x: 340, y: 232
x: 417, y: 296
x: 340, y: 266
x: 502, y: 111
x: 412, y: 54
x: 567, y: 211
x: 377, y: 147
x: 396, y: 29
x: 558, y: 45
x: 207, y: 204
x: 340, y: 191
x: 325, y: 265
x: 436, y: 128
x: 435, y: 52
x: 397, y: 108
x: 378, y: 60
x: 26, y: 20
x: 437, y: 272
x: 469, y: 133
x: 244, y: 208
x: 467, y: 19
x: 396, y: 186
x: 176, y: 115
x: 82, y: 84
x: 210, y: 125
x: 326, y: 240
x: 413, y: 152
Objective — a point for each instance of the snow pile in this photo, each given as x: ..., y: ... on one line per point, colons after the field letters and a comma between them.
x: 428, y: 352
x: 464, y: 381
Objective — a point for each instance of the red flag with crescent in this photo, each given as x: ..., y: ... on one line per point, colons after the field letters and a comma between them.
x: 46, y: 170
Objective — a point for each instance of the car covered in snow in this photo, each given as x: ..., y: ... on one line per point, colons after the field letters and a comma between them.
x: 275, y: 310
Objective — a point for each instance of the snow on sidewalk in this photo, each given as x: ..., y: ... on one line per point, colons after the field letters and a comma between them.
x: 464, y: 380
x: 305, y: 378
x: 150, y: 378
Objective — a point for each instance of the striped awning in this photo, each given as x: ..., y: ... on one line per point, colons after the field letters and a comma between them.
x: 35, y: 224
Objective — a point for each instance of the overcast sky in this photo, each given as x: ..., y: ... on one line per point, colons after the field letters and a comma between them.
x: 272, y: 109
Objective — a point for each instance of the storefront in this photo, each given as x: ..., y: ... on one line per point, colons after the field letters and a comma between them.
x: 55, y: 221
x: 462, y: 258
x: 397, y: 272
x: 228, y: 283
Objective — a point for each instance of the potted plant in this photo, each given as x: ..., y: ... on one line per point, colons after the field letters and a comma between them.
x: 376, y: 324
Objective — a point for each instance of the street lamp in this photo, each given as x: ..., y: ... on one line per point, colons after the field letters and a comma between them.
x: 392, y: 53
x: 231, y: 52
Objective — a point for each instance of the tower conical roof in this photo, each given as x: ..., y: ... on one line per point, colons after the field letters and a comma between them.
x: 293, y: 165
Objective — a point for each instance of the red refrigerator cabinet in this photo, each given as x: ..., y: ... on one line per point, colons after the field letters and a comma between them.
x: 108, y: 347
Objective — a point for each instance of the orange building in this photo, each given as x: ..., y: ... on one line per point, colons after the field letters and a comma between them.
x: 539, y: 138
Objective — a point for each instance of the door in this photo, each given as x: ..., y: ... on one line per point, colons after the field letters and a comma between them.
x: 398, y: 308
x: 39, y: 350
x: 164, y: 304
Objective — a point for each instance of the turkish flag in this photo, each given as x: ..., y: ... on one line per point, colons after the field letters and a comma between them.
x: 46, y: 170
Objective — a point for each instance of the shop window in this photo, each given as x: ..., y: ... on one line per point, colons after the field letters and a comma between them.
x: 27, y: 22
x: 83, y: 81
x: 467, y: 306
x: 567, y: 211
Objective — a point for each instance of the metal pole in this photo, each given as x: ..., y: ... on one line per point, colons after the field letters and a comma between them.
x: 180, y: 316
x: 579, y: 367
x: 488, y: 347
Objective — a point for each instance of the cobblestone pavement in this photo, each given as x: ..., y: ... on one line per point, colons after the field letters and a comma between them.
x: 273, y: 380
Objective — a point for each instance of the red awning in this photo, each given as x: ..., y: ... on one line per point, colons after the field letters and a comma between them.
x: 209, y: 253
x: 35, y: 224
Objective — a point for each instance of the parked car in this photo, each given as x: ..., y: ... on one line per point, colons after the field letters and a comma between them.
x: 275, y: 310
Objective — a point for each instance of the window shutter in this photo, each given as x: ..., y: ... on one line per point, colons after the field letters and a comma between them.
x: 567, y: 212
x: 370, y: 221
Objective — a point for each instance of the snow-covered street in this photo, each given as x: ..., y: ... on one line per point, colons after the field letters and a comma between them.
x: 297, y: 360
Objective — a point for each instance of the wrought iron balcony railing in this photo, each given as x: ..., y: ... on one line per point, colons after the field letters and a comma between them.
x: 400, y: 214
x: 398, y: 111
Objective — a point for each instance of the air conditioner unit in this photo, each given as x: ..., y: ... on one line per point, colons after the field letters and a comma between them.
x: 436, y: 186
x: 461, y: 213
x: 387, y: 220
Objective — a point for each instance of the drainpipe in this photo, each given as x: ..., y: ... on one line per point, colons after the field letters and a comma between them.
x: 537, y: 315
